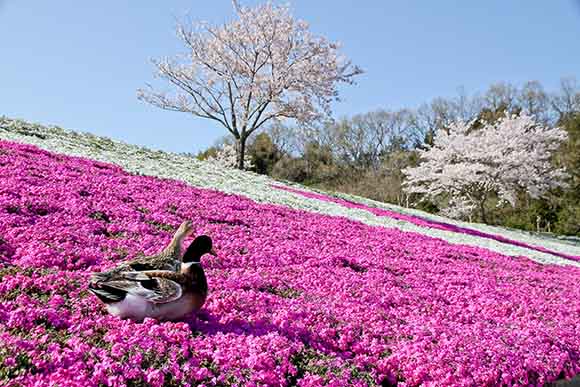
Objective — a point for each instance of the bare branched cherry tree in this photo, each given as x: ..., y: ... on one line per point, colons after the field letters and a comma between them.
x: 265, y: 65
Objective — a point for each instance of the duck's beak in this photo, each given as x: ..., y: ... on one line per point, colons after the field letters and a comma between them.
x: 212, y: 252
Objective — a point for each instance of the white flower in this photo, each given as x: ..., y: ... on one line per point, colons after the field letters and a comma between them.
x: 227, y: 157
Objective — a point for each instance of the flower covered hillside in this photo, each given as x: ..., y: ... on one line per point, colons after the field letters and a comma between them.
x: 200, y: 174
x: 295, y: 299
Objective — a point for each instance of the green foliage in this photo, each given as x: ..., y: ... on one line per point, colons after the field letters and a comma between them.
x: 284, y: 292
x: 160, y: 226
x: 292, y: 169
x: 264, y: 154
x: 310, y: 361
x: 568, y: 221
x: 316, y: 166
x: 209, y: 152
x: 23, y: 365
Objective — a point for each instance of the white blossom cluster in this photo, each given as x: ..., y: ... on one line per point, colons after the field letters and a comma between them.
x: 140, y: 160
x: 227, y: 157
x: 466, y: 165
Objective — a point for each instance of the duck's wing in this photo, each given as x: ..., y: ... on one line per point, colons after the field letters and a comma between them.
x: 106, y: 293
x: 156, y: 289
x: 157, y: 262
x: 109, y: 275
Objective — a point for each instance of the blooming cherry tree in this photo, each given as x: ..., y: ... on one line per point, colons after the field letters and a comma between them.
x: 264, y: 65
x: 466, y: 165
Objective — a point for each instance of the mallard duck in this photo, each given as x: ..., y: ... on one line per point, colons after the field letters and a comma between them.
x: 168, y: 259
x: 160, y: 294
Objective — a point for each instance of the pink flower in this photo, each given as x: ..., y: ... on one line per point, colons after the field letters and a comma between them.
x: 9, y: 362
x: 155, y: 378
x: 295, y: 297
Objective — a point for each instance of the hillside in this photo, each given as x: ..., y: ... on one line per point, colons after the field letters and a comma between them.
x: 308, y: 289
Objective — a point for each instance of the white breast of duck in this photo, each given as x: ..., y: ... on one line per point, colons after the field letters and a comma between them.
x: 137, y: 308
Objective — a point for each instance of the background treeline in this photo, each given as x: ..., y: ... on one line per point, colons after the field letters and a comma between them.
x: 365, y: 154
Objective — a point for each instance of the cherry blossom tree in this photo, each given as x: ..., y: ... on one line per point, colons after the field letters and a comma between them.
x: 465, y: 166
x: 263, y: 66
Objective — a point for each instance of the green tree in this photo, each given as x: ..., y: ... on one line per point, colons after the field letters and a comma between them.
x: 569, y: 216
x: 264, y: 154
x: 208, y: 153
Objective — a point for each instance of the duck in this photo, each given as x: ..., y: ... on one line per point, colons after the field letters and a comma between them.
x: 167, y: 259
x: 164, y: 295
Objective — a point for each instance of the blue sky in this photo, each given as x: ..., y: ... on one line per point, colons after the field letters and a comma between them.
x: 78, y: 64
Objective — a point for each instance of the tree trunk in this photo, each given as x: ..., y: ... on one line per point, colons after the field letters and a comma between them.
x: 482, y: 211
x: 241, y: 145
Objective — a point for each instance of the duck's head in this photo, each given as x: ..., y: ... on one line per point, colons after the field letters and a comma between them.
x: 200, y: 246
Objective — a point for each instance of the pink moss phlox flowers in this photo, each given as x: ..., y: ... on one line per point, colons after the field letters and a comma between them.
x: 296, y: 298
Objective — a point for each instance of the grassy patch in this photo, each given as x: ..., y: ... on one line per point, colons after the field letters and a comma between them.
x: 284, y: 292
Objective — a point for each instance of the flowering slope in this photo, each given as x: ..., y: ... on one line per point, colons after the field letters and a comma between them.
x: 258, y: 187
x: 296, y: 298
x: 560, y: 243
x: 429, y: 223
